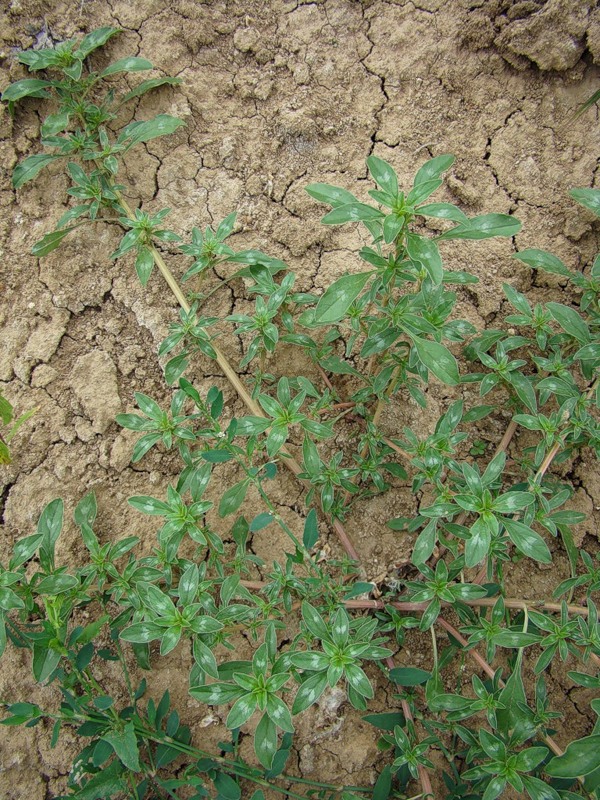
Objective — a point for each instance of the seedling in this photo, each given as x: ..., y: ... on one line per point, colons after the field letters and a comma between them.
x: 377, y: 336
x: 7, y: 417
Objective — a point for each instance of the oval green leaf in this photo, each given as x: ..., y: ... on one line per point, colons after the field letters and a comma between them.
x: 338, y: 298
x: 438, y: 359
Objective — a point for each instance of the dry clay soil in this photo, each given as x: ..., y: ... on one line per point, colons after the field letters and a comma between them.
x: 276, y: 95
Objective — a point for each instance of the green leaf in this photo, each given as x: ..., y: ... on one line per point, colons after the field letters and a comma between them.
x: 74, y: 70
x: 55, y: 123
x: 217, y: 456
x: 144, y: 264
x: 279, y: 713
x: 130, y: 64
x: 338, y: 298
x: 161, y: 125
x: 124, y: 743
x: 261, y: 521
x: 392, y: 225
x: 438, y: 359
x: 174, y: 369
x: 383, y: 174
x: 484, y: 227
x: 443, y: 211
x: 515, y: 639
x: 422, y: 191
x: 432, y: 169
x: 39, y: 59
x: 527, y: 540
x: 540, y: 790
x: 50, y: 242
x: 425, y: 544
x: 358, y: 588
x: 50, y: 526
x: 589, y: 352
x: 509, y: 502
x: 72, y: 213
x: 149, y: 505
x: 241, y: 711
x: 104, y: 784
x: 143, y: 445
x: 314, y: 621
x: 57, y: 584
x: 227, y: 787
x: 540, y: 259
x: 10, y: 600
x: 311, y: 530
x: 233, y: 498
x: 265, y: 741
x: 337, y: 366
x: 147, y: 86
x: 409, y: 676
x: 29, y: 168
x: 309, y: 692
x: 590, y: 198
x: 6, y: 410
x: 425, y: 252
x: 251, y: 426
x: 155, y: 599
x: 352, y: 212
x: 580, y: 758
x: 94, y: 40
x: 332, y: 195
x: 383, y: 785
x: 44, y: 661
x: 24, y: 549
x: 524, y: 389
x: 478, y: 544
x: 4, y: 453
x: 205, y: 658
x: 570, y: 321
x: 386, y: 721
x: 216, y: 693
x: 28, y: 87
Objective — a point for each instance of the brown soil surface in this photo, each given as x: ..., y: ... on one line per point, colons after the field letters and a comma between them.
x: 276, y: 94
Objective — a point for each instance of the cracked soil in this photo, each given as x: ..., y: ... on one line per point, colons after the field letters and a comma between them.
x: 276, y: 94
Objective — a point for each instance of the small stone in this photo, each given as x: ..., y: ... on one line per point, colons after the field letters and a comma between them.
x: 122, y: 449
x: 43, y: 376
x: 84, y: 430
x: 246, y: 39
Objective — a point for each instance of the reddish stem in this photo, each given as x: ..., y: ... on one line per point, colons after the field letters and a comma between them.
x: 489, y: 671
x: 423, y: 774
x: 407, y: 605
x: 325, y: 377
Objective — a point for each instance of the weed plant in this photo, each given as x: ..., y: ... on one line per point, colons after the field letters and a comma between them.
x: 385, y: 330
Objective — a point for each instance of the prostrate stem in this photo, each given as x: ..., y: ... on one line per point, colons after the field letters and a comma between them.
x: 288, y: 459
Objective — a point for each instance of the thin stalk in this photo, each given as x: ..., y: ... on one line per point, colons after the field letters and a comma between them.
x: 489, y: 602
x: 335, y: 407
x: 325, y: 377
x: 478, y: 602
x: 556, y: 448
x: 423, y: 774
x: 288, y: 460
x: 381, y: 403
x: 490, y: 672
x: 241, y: 770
